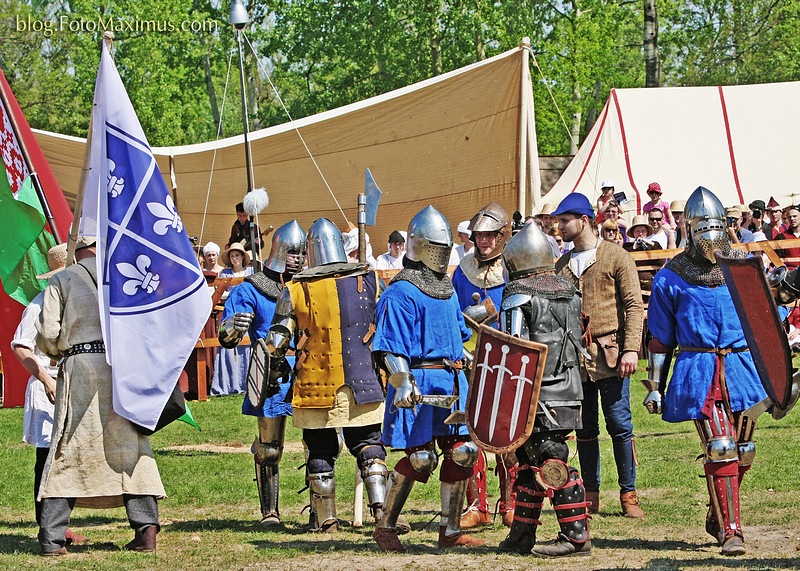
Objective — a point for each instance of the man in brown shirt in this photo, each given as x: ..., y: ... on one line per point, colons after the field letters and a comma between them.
x: 612, y: 300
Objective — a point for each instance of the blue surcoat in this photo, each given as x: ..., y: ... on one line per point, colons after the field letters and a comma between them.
x: 245, y: 298
x: 418, y: 327
x: 684, y: 315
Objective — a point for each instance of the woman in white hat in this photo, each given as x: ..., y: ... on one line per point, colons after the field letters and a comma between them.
x: 230, y: 365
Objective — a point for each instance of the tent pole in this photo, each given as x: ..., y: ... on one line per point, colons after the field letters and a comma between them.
x: 522, y: 156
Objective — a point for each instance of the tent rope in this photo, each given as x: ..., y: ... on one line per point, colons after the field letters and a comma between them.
x: 216, y: 146
x: 302, y: 140
x: 560, y: 114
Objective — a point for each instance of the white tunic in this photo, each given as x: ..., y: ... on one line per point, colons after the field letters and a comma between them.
x: 96, y: 456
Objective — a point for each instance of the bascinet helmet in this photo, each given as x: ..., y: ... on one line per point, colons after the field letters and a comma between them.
x: 325, y: 244
x: 429, y: 239
x: 491, y: 218
x: 528, y: 252
x: 705, y: 223
x: 289, y: 237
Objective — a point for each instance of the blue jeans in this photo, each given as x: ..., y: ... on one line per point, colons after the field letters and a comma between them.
x: 615, y: 397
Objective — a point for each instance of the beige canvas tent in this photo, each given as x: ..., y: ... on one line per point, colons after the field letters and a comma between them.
x: 456, y: 141
x: 739, y: 141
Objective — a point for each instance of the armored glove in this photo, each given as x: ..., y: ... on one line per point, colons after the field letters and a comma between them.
x: 653, y: 399
x: 406, y: 393
x: 233, y: 329
x: 242, y: 321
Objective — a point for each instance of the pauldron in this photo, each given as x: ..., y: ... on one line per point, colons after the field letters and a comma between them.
x: 547, y: 286
x: 331, y: 270
x: 695, y: 269
x: 437, y: 286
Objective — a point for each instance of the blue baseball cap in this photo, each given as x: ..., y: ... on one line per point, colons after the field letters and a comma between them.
x: 575, y: 203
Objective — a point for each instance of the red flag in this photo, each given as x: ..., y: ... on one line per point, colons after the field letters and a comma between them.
x: 15, y: 377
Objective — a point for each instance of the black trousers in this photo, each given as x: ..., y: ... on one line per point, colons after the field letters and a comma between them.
x: 363, y: 442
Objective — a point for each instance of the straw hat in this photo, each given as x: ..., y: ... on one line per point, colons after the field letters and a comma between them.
x: 56, y: 261
x: 640, y: 220
x: 677, y: 206
x: 236, y: 246
x: 547, y: 210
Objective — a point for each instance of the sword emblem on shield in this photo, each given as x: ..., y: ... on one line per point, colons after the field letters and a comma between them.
x: 504, y: 389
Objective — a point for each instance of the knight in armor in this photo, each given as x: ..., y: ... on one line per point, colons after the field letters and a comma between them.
x: 540, y: 306
x: 329, y: 309
x: 249, y: 309
x: 714, y: 379
x: 480, y: 275
x: 418, y: 343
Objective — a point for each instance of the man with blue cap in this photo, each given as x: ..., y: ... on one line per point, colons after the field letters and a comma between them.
x: 612, y: 302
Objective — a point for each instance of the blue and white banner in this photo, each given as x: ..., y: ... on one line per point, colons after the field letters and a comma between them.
x: 153, y: 297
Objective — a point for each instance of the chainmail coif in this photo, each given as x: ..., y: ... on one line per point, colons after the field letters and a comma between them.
x: 267, y: 282
x: 547, y: 286
x: 433, y: 284
x: 696, y: 269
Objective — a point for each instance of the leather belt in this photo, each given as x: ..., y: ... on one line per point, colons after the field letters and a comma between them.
x: 90, y: 347
x: 436, y: 364
x: 718, y: 350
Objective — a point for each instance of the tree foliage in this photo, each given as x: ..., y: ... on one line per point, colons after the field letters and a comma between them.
x: 322, y: 54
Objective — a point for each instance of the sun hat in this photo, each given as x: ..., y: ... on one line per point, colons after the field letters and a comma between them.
x: 640, y: 220
x: 236, y: 247
x: 56, y: 261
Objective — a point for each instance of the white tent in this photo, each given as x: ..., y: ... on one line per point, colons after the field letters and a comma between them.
x: 456, y: 141
x: 741, y: 142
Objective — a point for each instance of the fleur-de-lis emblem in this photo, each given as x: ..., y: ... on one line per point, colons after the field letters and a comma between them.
x: 141, y: 278
x: 167, y: 216
x: 115, y: 184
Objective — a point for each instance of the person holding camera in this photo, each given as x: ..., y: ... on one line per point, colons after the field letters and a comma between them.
x: 756, y: 223
x: 733, y: 222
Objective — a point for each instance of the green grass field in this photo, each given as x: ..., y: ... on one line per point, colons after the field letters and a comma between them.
x: 210, y: 519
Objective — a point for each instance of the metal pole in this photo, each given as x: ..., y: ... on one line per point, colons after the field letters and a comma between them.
x: 522, y: 173
x: 255, y: 247
x: 362, y: 228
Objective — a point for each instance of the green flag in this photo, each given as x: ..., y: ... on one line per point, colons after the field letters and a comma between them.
x: 189, y: 419
x: 23, y: 250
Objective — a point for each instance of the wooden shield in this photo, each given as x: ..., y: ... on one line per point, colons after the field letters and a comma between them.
x: 257, y: 374
x: 761, y: 324
x: 504, y: 390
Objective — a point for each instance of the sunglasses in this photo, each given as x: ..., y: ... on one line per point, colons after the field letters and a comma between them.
x: 656, y: 219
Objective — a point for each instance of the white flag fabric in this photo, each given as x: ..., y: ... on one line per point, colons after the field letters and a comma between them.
x: 152, y: 294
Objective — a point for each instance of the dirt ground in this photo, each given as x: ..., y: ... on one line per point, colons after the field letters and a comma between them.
x: 636, y: 546
x: 768, y: 548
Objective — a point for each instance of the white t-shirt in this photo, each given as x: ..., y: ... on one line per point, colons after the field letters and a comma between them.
x: 387, y: 262
x: 37, y: 419
x: 660, y: 238
x: 579, y: 261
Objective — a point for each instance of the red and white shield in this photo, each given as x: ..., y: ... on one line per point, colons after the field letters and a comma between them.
x: 504, y: 390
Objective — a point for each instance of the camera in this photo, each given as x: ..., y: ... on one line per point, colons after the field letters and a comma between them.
x: 517, y: 224
x: 730, y: 221
x: 757, y: 213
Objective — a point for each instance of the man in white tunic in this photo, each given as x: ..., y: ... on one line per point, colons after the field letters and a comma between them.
x: 97, y: 458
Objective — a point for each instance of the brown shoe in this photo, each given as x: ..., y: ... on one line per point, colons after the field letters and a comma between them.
x: 508, y: 518
x: 387, y: 540
x: 563, y: 547
x: 732, y: 546
x: 474, y: 517
x: 460, y: 539
x: 593, y: 498
x: 270, y: 519
x: 630, y: 504
x: 62, y: 551
x: 74, y: 538
x: 144, y: 542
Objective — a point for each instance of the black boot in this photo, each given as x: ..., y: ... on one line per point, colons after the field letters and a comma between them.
x: 522, y: 536
x: 569, y: 503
